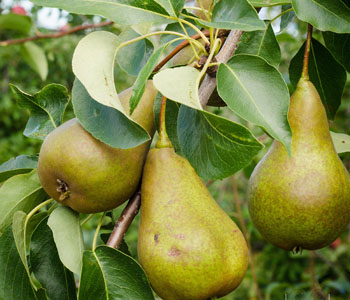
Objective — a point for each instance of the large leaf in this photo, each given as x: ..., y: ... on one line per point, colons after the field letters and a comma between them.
x: 47, y: 108
x: 179, y: 84
x: 97, y: 76
x: 238, y: 14
x: 14, y: 281
x: 325, y: 15
x: 35, y: 58
x: 105, y: 123
x: 264, y: 3
x: 262, y: 43
x: 256, y: 91
x: 18, y: 165
x: 120, y: 11
x: 173, y: 7
x: 133, y: 57
x: 110, y: 274
x: 20, y: 192
x: 328, y: 76
x: 16, y: 22
x: 47, y: 267
x: 339, y: 45
x: 215, y: 147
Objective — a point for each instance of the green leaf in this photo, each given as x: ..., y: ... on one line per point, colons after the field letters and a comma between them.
x: 101, y: 121
x: 18, y: 165
x: 287, y: 17
x: 35, y: 57
x: 341, y: 142
x: 97, y: 75
x: 32, y: 224
x: 20, y: 192
x: 140, y: 83
x: 179, y: 84
x: 215, y: 147
x: 262, y: 43
x: 47, y: 108
x: 65, y: 226
x: 14, y: 281
x: 110, y: 274
x: 238, y: 14
x: 339, y: 46
x: 328, y: 76
x: 22, y: 24
x: 173, y: 7
x: 133, y: 57
x: 264, y: 3
x: 256, y: 91
x: 47, y: 267
x: 120, y: 11
x: 325, y: 15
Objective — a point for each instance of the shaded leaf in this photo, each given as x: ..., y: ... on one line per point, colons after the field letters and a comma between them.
x: 18, y: 165
x: 110, y: 274
x: 256, y: 91
x: 173, y: 7
x: 339, y: 46
x: 325, y: 15
x: 341, y: 142
x: 287, y: 17
x: 35, y: 57
x: 65, y: 226
x: 264, y: 3
x: 47, y: 267
x: 216, y: 147
x: 46, y: 106
x: 328, y: 76
x: 16, y: 22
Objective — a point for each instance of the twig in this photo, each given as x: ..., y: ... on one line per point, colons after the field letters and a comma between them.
x: 316, y: 289
x: 124, y: 221
x: 245, y: 233
x: 54, y: 35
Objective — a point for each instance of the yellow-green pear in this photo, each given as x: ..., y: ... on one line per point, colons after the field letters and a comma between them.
x: 188, y: 246
x: 87, y: 175
x: 301, y: 201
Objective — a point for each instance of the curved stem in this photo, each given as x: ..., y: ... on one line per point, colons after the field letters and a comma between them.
x: 97, y: 231
x: 305, y: 72
x: 163, y: 139
x: 212, y: 52
x: 196, y: 29
x: 191, y: 43
x: 206, y: 13
x: 281, y: 14
x: 86, y: 219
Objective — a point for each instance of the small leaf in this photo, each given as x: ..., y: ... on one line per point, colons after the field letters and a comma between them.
x: 16, y: 22
x: 328, y: 76
x: 14, y: 281
x: 120, y: 11
x: 179, y: 84
x: 262, y: 43
x: 47, y: 108
x: 110, y: 274
x: 101, y: 121
x: 35, y: 58
x: 266, y: 3
x: 329, y: 15
x: 20, y: 192
x: 256, y: 91
x: 287, y: 17
x: 339, y: 46
x: 173, y: 7
x: 18, y: 165
x: 235, y: 15
x: 215, y: 147
x: 47, y: 267
x: 341, y: 142
x: 65, y: 226
x: 140, y: 83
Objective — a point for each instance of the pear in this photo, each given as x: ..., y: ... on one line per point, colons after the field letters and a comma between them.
x: 301, y: 201
x: 87, y: 175
x: 189, y: 248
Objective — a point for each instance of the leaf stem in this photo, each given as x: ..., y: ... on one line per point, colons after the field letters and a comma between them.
x: 97, y: 231
x: 206, y: 12
x: 190, y: 41
x: 281, y: 14
x: 163, y: 139
x: 305, y: 72
x: 211, y: 55
x: 86, y: 219
x: 194, y: 28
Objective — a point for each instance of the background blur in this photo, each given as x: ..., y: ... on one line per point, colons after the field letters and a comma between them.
x: 322, y: 274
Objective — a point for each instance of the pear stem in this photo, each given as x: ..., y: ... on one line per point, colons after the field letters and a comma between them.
x: 305, y: 73
x: 163, y: 139
x: 94, y: 242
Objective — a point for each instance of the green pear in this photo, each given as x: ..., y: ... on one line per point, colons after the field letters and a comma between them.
x: 87, y: 175
x: 189, y: 248
x: 301, y: 201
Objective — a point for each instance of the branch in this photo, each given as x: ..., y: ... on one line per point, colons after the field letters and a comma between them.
x: 54, y: 35
x: 124, y: 221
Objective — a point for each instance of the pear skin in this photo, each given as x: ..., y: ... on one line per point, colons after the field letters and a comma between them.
x: 188, y: 246
x: 301, y: 201
x: 87, y: 175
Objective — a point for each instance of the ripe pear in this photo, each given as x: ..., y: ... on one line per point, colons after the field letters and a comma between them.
x: 301, y: 201
x: 189, y: 248
x: 87, y: 175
